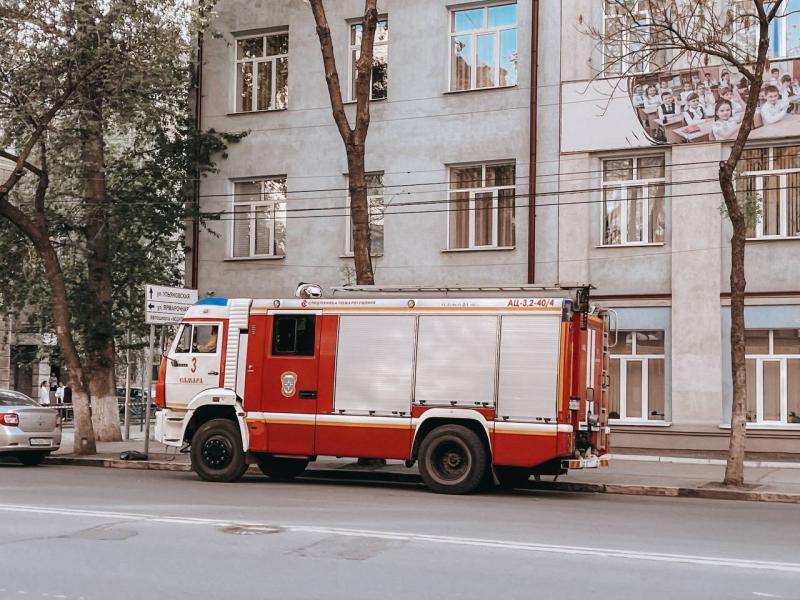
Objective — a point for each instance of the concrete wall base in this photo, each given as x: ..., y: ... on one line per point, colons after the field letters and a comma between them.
x: 703, y: 438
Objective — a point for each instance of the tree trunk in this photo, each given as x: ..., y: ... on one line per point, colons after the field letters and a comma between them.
x: 354, y: 138
x: 84, y: 438
x: 100, y: 350
x: 734, y: 469
x: 359, y: 211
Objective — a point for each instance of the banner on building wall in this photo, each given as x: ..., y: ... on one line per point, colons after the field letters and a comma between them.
x: 679, y: 107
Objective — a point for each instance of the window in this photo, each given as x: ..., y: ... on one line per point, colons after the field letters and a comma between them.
x: 376, y: 217
x: 633, y: 200
x: 772, y: 359
x: 379, y: 89
x: 293, y: 334
x: 771, y: 176
x: 626, y: 31
x: 262, y: 72
x: 259, y: 218
x: 785, y: 30
x: 637, y: 376
x: 197, y: 339
x: 204, y: 339
x: 481, y: 211
x: 483, y: 47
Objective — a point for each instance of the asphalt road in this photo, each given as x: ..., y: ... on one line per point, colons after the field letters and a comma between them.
x: 89, y: 533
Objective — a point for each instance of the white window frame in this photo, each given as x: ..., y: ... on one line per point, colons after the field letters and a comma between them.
x: 372, y: 201
x: 471, y: 211
x: 780, y: 27
x: 783, y: 202
x: 782, y: 359
x: 645, y: 359
x: 275, y: 207
x: 473, y: 79
x: 625, y: 67
x: 237, y: 62
x: 644, y: 185
x: 357, y: 47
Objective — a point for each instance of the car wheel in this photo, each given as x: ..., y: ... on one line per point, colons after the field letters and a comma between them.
x: 31, y: 459
x: 512, y: 477
x: 282, y: 468
x: 217, y: 453
x: 453, y: 460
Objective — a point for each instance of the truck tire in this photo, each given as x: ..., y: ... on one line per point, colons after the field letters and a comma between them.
x: 282, y: 468
x: 453, y: 460
x: 512, y: 477
x: 217, y: 453
x: 31, y: 459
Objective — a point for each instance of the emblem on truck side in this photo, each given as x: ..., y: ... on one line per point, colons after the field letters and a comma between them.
x: 288, y: 381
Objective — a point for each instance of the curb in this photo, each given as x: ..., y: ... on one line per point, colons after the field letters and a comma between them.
x: 709, y: 493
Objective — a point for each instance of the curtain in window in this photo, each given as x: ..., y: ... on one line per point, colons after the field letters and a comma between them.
x: 793, y: 390
x: 771, y: 386
x: 771, y: 205
x: 459, y: 220
x: 633, y: 389
x: 655, y: 389
x: 793, y: 204
x: 484, y: 225
x: 505, y: 217
x: 750, y: 403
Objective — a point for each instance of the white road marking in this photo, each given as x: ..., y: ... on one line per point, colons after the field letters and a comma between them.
x: 765, y: 595
x: 710, y: 561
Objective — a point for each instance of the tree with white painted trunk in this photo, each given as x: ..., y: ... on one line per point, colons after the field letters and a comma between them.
x: 659, y: 35
x: 354, y: 137
x: 94, y: 117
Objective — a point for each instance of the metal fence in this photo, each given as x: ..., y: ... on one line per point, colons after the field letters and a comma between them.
x: 136, y: 411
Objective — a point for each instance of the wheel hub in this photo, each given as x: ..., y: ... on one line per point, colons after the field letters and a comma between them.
x: 451, y: 461
x: 217, y: 452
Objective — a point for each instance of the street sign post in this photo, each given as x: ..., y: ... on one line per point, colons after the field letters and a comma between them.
x: 162, y: 306
x: 166, y: 305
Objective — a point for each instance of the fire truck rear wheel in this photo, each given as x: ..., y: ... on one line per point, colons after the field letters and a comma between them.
x: 217, y: 453
x: 453, y: 460
x: 282, y: 468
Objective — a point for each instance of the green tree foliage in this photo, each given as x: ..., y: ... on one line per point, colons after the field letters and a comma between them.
x: 95, y: 112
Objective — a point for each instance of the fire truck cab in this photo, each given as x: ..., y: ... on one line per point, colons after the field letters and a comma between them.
x: 470, y: 388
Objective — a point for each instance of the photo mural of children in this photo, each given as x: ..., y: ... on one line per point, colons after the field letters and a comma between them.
x: 694, y: 113
x: 787, y: 88
x: 774, y: 108
x: 651, y: 97
x: 707, y: 99
x: 725, y: 93
x: 726, y: 122
x: 705, y: 105
x: 668, y: 107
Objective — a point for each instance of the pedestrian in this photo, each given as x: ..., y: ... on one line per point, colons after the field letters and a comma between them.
x: 44, y: 394
x: 60, y: 393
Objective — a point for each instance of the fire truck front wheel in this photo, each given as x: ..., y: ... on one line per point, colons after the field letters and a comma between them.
x: 453, y: 460
x: 217, y: 453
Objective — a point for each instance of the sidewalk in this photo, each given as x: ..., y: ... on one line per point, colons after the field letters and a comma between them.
x: 633, y: 474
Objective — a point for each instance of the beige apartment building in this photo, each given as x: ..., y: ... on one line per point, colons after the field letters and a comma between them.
x: 623, y: 201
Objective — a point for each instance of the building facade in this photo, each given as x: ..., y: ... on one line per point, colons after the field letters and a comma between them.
x: 627, y: 205
x: 449, y: 127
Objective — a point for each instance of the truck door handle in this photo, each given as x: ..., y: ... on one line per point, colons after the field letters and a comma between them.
x: 213, y: 372
x: 308, y: 394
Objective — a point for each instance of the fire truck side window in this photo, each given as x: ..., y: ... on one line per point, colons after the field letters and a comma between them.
x: 293, y: 334
x: 205, y: 339
x: 184, y: 340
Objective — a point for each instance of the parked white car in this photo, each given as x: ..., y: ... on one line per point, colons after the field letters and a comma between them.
x: 28, y: 431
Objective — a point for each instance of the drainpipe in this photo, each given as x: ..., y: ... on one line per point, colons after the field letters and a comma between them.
x: 198, y: 121
x: 532, y: 162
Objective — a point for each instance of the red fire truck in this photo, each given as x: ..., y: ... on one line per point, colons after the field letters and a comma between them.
x: 470, y: 388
